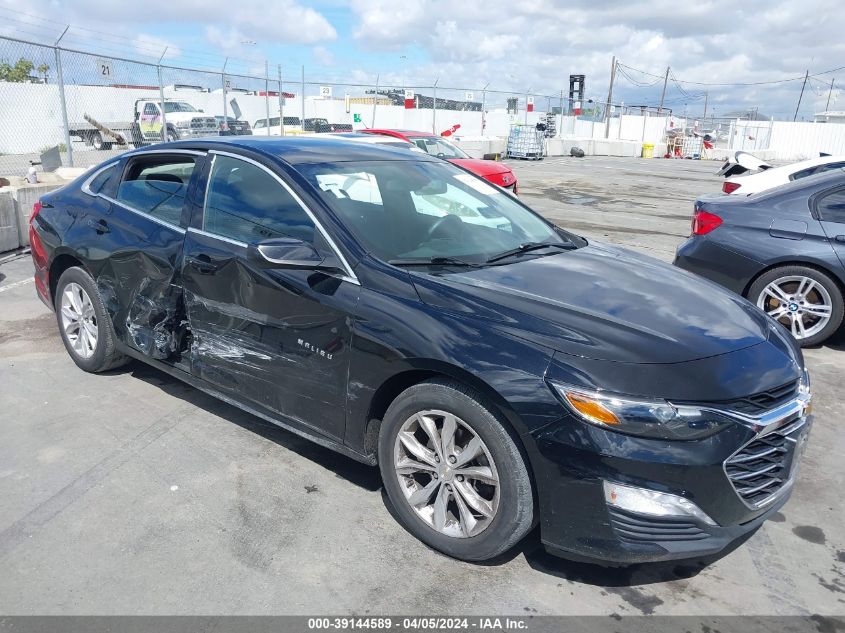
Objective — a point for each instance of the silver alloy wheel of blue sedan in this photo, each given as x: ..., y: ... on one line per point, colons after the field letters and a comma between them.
x: 79, y: 320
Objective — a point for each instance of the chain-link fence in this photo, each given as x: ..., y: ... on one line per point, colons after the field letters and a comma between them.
x: 89, y: 106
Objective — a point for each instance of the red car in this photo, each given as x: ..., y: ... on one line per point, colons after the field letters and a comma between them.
x: 490, y: 170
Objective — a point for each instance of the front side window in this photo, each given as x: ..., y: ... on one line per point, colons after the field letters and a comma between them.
x: 438, y: 146
x: 178, y: 106
x: 151, y: 109
x: 246, y: 203
x: 157, y: 185
x: 831, y: 207
x: 407, y: 209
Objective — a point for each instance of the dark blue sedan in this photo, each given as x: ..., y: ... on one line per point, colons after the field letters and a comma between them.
x: 501, y: 372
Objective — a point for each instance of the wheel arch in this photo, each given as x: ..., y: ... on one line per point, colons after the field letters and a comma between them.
x: 423, y: 370
x: 61, y: 262
x: 814, y: 264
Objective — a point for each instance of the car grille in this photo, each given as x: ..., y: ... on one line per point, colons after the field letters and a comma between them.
x: 763, y: 401
x: 635, y: 528
x: 203, y: 123
x: 763, y: 466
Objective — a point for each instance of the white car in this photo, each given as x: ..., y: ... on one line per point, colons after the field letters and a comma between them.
x: 742, y: 183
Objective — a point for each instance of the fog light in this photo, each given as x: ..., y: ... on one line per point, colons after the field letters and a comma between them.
x: 645, y: 501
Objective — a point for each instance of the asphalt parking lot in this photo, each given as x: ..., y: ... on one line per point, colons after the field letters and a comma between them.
x: 129, y: 492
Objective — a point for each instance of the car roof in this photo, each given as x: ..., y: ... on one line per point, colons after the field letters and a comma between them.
x: 402, y: 132
x: 787, y: 169
x: 816, y: 181
x: 294, y: 150
x: 366, y: 138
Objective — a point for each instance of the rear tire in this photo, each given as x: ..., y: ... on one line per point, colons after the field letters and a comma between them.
x: 84, y: 325
x: 804, y: 300
x: 472, y: 506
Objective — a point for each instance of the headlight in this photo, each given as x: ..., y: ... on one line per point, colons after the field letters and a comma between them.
x: 183, y: 124
x: 645, y: 418
x: 804, y: 383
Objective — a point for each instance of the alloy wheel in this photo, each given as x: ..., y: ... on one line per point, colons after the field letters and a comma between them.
x: 79, y: 320
x: 446, y: 473
x: 800, y: 303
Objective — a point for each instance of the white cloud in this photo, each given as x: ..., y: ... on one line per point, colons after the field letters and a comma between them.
x: 147, y: 45
x: 517, y: 43
x: 323, y: 56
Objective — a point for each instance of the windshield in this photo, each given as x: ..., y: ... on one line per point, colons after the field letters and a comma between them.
x: 422, y: 210
x: 438, y: 146
x: 178, y: 106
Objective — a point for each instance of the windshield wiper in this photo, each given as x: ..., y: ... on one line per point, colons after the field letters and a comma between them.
x: 428, y: 261
x: 527, y: 248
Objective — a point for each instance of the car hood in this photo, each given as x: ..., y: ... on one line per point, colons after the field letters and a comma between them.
x: 481, y: 167
x: 605, y: 303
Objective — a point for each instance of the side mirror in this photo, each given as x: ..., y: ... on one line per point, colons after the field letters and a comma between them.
x: 288, y: 252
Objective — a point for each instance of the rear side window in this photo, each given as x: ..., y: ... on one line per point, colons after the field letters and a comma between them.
x: 246, y: 203
x: 818, y: 169
x: 831, y: 207
x: 157, y: 186
x: 102, y: 182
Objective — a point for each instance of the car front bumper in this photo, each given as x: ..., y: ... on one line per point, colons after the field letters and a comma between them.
x: 578, y: 463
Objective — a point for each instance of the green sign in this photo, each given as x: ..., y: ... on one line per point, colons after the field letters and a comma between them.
x: 356, y: 118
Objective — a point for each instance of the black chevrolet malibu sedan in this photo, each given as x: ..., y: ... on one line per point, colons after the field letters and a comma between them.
x: 502, y: 372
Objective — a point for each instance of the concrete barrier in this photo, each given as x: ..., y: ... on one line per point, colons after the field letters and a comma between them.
x: 15, y: 208
x: 477, y: 147
x: 9, y: 232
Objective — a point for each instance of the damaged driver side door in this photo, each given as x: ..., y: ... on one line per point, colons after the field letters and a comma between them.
x: 269, y: 332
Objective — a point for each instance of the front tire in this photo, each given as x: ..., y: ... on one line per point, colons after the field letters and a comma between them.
x: 84, y: 324
x: 804, y: 300
x: 170, y: 135
x: 453, y: 473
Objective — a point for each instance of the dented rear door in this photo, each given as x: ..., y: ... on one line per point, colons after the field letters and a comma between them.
x: 138, y: 248
x: 276, y: 338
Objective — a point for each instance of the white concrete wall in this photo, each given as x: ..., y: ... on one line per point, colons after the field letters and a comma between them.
x: 797, y: 141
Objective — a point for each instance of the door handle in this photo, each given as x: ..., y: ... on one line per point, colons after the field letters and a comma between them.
x: 203, y: 264
x: 100, y: 226
x: 840, y: 238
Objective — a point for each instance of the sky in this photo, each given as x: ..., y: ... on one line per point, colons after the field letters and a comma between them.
x: 512, y: 47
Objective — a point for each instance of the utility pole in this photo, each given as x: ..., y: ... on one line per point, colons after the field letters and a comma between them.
x: 804, y: 85
x: 223, y: 82
x: 281, y: 106
x: 375, y: 101
x: 161, y: 97
x: 663, y: 94
x: 609, y: 98
x: 827, y: 107
x: 302, y: 98
x: 60, y: 77
x: 267, y: 93
x: 706, y: 95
